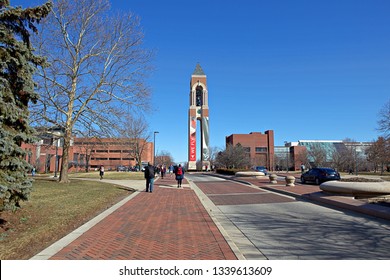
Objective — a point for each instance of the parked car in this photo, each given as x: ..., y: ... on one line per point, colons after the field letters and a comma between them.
x: 319, y: 175
x: 121, y: 168
x: 261, y: 169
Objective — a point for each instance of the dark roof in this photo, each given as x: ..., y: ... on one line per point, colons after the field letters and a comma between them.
x: 198, y: 71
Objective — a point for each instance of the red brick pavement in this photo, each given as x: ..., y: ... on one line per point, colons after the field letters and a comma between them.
x: 314, y: 193
x: 233, y: 193
x: 298, y: 189
x: 225, y: 187
x: 168, y: 224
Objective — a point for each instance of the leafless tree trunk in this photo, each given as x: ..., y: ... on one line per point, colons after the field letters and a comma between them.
x: 96, y: 73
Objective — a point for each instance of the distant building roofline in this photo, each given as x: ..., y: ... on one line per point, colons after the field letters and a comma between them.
x: 318, y: 141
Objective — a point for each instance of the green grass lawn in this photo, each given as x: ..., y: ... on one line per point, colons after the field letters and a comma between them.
x: 53, y: 211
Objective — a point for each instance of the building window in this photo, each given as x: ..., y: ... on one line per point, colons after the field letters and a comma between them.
x: 115, y: 151
x: 102, y: 151
x: 247, y: 149
x: 261, y: 149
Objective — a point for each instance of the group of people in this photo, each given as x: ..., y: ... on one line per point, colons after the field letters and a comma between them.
x: 150, y: 174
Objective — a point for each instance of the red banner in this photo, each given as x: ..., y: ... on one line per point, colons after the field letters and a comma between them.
x: 192, y: 139
x: 193, y: 147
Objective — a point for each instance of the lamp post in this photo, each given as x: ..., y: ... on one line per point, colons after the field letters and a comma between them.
x: 57, y: 135
x: 287, y: 154
x: 154, y: 148
x: 56, y: 159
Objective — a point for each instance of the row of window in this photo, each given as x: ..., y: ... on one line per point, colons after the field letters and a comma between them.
x: 112, y: 158
x: 105, y: 143
x: 257, y: 149
x: 111, y: 151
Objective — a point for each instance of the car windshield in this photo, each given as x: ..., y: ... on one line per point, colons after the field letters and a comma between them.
x: 329, y: 170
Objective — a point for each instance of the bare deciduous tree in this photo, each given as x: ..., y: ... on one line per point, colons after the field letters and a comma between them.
x: 318, y: 155
x: 379, y: 153
x: 213, y: 154
x: 136, y: 130
x: 164, y: 158
x: 233, y: 157
x: 384, y: 120
x: 96, y: 73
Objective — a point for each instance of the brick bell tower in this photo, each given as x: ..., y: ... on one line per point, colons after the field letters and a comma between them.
x: 199, y: 110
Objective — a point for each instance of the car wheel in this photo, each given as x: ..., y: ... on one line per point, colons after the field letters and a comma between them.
x: 318, y: 182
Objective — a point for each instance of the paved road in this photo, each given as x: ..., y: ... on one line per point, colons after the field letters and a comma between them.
x: 280, y: 227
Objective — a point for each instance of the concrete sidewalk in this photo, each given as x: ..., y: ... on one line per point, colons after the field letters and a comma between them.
x: 168, y: 224
x: 315, y: 194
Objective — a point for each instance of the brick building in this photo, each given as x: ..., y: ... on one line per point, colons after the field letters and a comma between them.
x: 259, y: 146
x: 89, y: 153
x: 110, y: 152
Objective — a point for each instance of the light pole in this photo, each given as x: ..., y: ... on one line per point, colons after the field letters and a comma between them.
x: 56, y: 159
x: 57, y: 135
x: 287, y: 154
x: 154, y: 148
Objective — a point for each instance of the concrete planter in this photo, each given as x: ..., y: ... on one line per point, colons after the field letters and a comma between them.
x: 272, y: 178
x: 249, y: 174
x: 358, y: 189
x: 290, y: 181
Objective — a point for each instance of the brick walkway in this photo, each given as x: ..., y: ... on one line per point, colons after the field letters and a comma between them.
x: 168, y: 224
x: 231, y: 193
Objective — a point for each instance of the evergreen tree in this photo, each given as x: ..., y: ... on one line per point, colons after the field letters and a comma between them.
x: 17, y: 66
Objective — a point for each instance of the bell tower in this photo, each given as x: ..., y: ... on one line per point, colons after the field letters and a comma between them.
x: 199, y: 111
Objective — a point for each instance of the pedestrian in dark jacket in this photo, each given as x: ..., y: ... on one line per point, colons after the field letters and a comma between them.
x: 149, y: 176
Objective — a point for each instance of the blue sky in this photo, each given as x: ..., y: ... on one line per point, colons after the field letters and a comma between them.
x: 305, y: 69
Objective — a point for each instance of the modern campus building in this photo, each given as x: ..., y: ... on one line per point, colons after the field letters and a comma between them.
x: 351, y: 155
x: 331, y: 153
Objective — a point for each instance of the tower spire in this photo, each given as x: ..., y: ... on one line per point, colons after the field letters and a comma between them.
x: 198, y: 70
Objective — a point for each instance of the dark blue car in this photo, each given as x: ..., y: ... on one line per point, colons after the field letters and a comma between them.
x: 261, y: 169
x: 319, y: 175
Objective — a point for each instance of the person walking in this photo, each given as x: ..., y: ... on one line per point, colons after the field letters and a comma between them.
x: 101, y: 171
x: 170, y: 170
x: 179, y: 172
x: 163, y: 171
x: 149, y: 174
